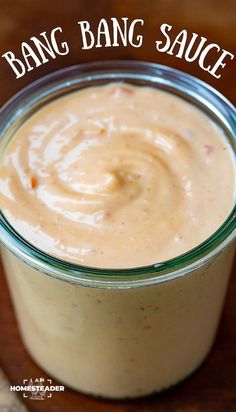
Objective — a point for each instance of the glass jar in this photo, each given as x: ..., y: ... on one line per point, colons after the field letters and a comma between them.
x: 118, y: 333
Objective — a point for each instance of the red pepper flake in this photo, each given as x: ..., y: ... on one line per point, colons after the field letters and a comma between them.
x: 122, y: 89
x: 126, y: 89
x: 33, y: 182
x: 102, y: 131
x: 208, y: 149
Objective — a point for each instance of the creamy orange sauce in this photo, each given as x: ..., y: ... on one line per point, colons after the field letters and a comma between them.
x: 117, y: 176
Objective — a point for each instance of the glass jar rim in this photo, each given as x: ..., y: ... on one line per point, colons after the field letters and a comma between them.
x: 150, y: 74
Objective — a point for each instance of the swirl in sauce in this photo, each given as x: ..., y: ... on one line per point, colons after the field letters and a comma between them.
x: 117, y: 176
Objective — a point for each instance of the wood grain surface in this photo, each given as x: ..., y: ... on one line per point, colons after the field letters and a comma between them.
x: 213, y: 387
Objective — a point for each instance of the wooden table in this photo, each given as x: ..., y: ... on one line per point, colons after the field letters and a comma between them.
x: 213, y: 387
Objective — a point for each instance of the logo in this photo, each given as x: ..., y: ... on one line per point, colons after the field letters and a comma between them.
x: 37, y: 389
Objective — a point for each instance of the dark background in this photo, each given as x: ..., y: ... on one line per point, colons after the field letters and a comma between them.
x: 213, y: 387
x: 22, y: 19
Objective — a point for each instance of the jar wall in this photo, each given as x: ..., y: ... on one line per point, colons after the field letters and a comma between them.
x: 119, y: 343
